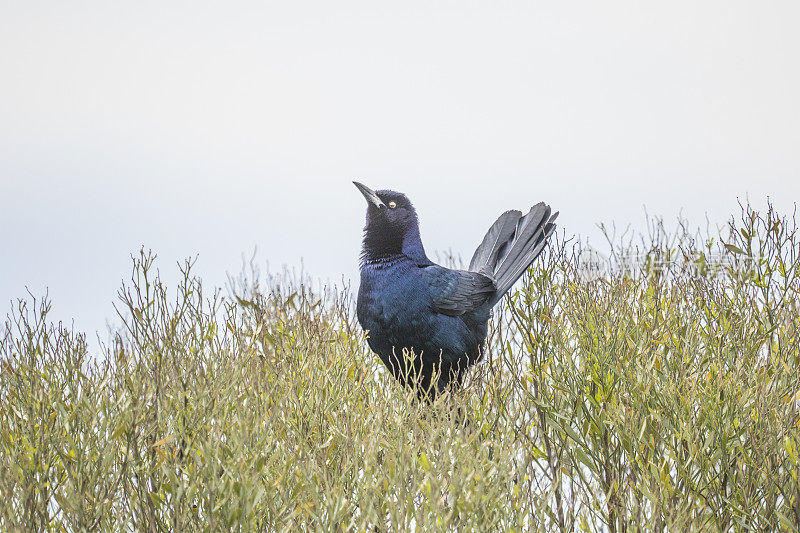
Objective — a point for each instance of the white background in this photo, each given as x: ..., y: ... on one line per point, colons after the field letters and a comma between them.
x: 202, y: 129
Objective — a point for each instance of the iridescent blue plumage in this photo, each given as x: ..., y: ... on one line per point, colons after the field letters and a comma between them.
x: 406, y: 302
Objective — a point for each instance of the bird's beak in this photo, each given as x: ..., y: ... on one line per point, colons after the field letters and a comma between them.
x: 370, y: 195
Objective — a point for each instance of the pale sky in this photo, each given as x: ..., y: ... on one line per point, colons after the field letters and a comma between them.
x: 209, y: 129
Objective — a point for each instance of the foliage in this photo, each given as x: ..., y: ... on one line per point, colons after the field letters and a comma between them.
x: 660, y: 398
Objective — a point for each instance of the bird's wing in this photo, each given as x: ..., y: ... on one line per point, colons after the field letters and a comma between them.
x: 455, y: 292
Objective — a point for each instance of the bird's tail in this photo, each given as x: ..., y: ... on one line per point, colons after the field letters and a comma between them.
x: 511, y: 245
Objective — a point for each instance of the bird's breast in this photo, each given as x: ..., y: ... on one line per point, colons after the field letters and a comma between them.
x: 394, y: 306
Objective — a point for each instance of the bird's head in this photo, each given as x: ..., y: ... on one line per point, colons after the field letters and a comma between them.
x: 392, y: 226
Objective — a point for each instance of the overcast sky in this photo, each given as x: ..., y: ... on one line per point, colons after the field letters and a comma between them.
x: 210, y: 129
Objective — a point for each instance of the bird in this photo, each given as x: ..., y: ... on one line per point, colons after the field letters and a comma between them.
x: 428, y: 323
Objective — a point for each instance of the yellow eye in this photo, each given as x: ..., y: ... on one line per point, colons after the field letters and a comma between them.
x: 392, y: 205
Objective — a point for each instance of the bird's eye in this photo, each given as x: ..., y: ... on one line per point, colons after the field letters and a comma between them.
x: 392, y: 205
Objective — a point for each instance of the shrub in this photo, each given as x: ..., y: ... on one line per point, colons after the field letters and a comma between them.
x: 662, y: 397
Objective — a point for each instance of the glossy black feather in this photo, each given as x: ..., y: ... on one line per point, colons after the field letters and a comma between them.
x: 485, y: 257
x: 408, y: 304
x: 455, y: 292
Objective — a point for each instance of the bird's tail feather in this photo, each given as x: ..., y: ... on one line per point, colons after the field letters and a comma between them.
x: 485, y: 257
x: 510, y: 246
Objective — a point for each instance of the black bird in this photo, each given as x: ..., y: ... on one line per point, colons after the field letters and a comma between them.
x: 407, y: 302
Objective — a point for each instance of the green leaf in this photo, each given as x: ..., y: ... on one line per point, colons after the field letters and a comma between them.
x: 735, y: 249
x: 583, y: 458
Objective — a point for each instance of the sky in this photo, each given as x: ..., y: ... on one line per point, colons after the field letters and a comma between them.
x: 211, y: 130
